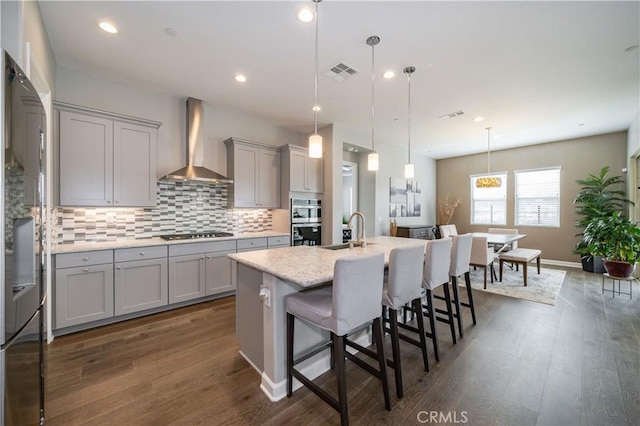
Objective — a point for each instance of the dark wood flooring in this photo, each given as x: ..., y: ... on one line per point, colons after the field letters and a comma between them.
x: 574, y: 363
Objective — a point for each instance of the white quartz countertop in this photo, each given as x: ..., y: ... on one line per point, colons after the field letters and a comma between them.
x: 155, y: 241
x: 308, y: 266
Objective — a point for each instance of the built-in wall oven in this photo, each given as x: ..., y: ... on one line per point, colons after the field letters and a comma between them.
x: 306, y: 222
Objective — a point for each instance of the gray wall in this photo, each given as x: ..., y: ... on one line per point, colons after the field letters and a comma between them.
x: 577, y: 158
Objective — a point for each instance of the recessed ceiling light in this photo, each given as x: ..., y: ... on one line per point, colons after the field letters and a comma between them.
x: 631, y: 48
x: 478, y: 119
x: 108, y: 27
x: 241, y: 78
x: 170, y: 31
x: 316, y: 108
x: 389, y: 74
x: 305, y: 15
x: 580, y: 124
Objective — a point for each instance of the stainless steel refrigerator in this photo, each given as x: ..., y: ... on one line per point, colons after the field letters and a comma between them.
x: 22, y: 286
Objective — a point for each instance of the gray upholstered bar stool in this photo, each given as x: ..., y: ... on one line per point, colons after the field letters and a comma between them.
x: 436, y: 274
x: 352, y: 301
x: 460, y: 259
x: 404, y: 285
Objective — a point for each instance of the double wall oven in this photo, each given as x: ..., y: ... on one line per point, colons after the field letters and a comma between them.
x: 306, y: 221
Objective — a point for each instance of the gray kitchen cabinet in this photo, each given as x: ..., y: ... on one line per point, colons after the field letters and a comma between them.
x: 276, y: 242
x: 300, y: 173
x: 141, y: 279
x: 255, y: 170
x: 187, y: 275
x: 200, y: 269
x: 106, y: 159
x: 219, y: 272
x: 83, y: 288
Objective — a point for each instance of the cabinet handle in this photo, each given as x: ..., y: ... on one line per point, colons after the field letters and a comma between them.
x: 118, y: 267
x: 84, y: 259
x: 108, y: 201
x: 117, y: 201
x: 202, y: 258
x: 141, y: 253
x: 252, y: 243
x: 85, y: 270
x: 208, y: 257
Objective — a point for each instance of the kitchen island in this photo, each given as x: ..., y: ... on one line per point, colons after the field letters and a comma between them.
x: 263, y: 280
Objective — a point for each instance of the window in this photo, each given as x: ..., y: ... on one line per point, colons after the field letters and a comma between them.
x: 489, y: 205
x: 538, y: 197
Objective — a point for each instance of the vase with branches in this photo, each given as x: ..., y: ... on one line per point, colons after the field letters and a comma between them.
x: 446, y: 208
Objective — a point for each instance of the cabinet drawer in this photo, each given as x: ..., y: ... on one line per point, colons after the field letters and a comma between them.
x: 197, y: 248
x: 278, y: 241
x: 140, y: 253
x: 252, y: 244
x: 72, y: 260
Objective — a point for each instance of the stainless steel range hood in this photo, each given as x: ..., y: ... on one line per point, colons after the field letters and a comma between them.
x: 194, y: 171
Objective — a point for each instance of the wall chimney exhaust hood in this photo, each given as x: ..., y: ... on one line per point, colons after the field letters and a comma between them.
x: 194, y: 171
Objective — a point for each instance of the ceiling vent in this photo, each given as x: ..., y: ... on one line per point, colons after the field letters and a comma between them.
x: 452, y: 115
x: 340, y: 72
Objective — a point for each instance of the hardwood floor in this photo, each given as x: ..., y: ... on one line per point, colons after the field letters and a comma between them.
x: 577, y: 362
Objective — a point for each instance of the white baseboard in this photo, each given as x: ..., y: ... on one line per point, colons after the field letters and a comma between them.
x: 561, y: 263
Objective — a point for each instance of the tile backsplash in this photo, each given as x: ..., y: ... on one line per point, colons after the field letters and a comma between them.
x: 181, y: 207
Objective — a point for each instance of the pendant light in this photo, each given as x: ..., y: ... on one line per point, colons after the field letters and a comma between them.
x: 409, y: 171
x: 315, y: 140
x: 488, y: 181
x: 373, y: 163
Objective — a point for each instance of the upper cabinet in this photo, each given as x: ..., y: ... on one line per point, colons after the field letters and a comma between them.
x: 255, y: 170
x: 300, y: 173
x: 106, y: 159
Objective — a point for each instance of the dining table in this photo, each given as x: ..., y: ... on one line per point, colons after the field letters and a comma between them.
x: 502, y: 240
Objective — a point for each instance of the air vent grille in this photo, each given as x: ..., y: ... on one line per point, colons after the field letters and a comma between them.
x: 452, y: 115
x: 340, y: 72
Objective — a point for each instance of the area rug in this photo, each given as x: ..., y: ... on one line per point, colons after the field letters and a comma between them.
x: 543, y: 288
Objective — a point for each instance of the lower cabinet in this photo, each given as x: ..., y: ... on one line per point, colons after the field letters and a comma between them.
x: 83, y: 294
x: 218, y: 272
x: 186, y: 277
x: 140, y: 285
x: 200, y: 269
x: 101, y: 284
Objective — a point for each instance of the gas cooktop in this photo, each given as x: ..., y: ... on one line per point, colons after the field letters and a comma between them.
x: 194, y: 235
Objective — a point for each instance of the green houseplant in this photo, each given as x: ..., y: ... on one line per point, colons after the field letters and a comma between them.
x: 599, y: 197
x: 617, y: 240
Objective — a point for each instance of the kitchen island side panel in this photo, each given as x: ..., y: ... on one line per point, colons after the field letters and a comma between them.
x: 249, y: 326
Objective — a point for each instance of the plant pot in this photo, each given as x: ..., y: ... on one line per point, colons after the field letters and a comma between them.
x: 592, y: 264
x: 619, y: 269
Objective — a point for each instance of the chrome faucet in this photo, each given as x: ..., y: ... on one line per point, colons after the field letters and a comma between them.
x: 360, y: 240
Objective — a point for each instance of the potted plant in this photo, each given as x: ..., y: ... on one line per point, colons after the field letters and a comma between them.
x: 617, y: 240
x: 599, y: 197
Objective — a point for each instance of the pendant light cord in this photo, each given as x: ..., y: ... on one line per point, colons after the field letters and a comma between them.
x: 488, y: 151
x: 409, y: 119
x: 315, y: 91
x: 373, y: 99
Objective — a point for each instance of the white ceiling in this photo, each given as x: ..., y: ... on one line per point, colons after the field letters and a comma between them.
x: 538, y: 71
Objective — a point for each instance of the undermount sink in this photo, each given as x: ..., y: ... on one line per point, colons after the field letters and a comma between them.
x: 341, y: 246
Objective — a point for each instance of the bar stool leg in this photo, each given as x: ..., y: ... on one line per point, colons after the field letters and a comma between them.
x: 447, y: 296
x: 338, y: 344
x: 431, y: 313
x: 467, y: 280
x: 290, y: 323
x: 417, y: 306
x: 456, y: 297
x: 382, y: 361
x: 395, y: 349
